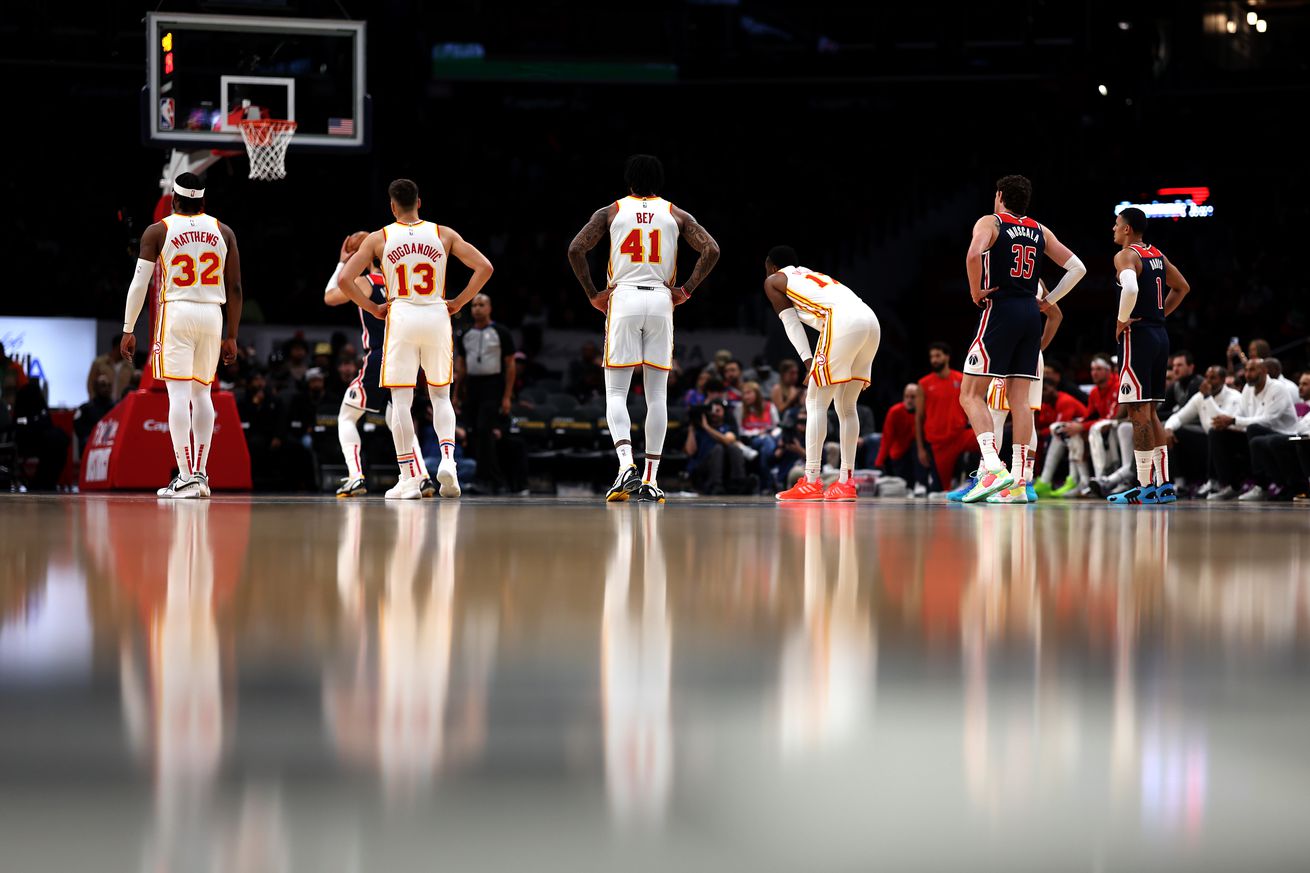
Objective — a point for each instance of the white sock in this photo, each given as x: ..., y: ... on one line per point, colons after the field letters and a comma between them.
x: 418, y: 459
x: 844, y: 476
x: 1030, y: 469
x: 348, y: 435
x: 1160, y: 463
x: 625, y: 456
x: 1144, y: 461
x: 987, y: 443
x: 652, y: 471
x: 179, y: 424
x: 1019, y: 460
x: 202, y: 425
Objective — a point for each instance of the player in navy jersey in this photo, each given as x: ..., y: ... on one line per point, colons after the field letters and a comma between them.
x: 365, y: 394
x: 1144, y: 275
x: 1003, y: 267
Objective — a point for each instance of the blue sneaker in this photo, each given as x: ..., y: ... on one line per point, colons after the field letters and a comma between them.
x: 1032, y: 493
x: 957, y: 496
x: 1135, y: 496
x: 1165, y: 493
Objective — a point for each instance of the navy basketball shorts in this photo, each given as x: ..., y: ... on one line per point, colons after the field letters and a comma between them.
x: 1008, y: 341
x: 365, y: 392
x: 1144, y: 361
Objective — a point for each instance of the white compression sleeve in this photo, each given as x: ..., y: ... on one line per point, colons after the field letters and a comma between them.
x: 1127, y: 294
x: 336, y: 276
x: 136, y: 293
x: 1073, y: 274
x: 791, y: 322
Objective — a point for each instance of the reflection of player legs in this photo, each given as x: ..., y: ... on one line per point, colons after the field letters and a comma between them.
x: 443, y: 421
x: 817, y: 400
x: 617, y: 380
x: 656, y: 383
x: 849, y: 419
x: 402, y: 436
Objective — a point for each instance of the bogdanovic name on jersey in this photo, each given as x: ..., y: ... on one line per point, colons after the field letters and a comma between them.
x: 405, y: 249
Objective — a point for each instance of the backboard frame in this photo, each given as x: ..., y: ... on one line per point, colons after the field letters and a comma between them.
x: 229, y: 137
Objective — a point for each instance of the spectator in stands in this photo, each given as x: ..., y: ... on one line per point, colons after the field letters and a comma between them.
x: 260, y: 415
x: 298, y: 414
x: 88, y: 415
x: 1303, y: 393
x: 586, y: 375
x: 1102, y: 404
x: 1183, y: 383
x: 789, y: 456
x: 1188, y: 429
x: 297, y: 359
x: 732, y: 382
x: 484, y: 381
x: 896, y: 454
x: 323, y: 358
x: 789, y: 392
x: 715, y: 460
x: 1054, y: 374
x: 110, y: 364
x: 1059, y: 409
x: 38, y: 437
x: 941, y: 429
x: 697, y: 395
x: 759, y: 428
x: 1257, y: 348
x: 1274, y: 370
x: 1278, y: 472
x: 347, y: 370
x: 1264, y: 409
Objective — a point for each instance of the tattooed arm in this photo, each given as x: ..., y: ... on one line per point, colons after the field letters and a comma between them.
x: 699, y: 239
x: 584, y: 242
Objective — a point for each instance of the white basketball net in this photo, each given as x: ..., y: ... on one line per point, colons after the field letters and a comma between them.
x: 266, y: 144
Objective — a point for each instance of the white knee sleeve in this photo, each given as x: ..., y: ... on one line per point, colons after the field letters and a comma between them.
x: 1127, y: 460
x: 402, y: 421
x: 817, y: 401
x: 847, y: 393
x: 348, y: 435
x: 657, y: 408
x: 617, y: 380
x: 443, y: 413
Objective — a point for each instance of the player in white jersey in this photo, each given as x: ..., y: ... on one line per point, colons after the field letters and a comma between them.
x: 413, y: 257
x: 199, y: 272
x: 839, y: 370
x: 638, y: 304
x: 998, y: 403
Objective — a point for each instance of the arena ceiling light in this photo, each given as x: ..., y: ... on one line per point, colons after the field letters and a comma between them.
x: 1251, y: 18
x: 1231, y: 26
x: 1261, y: 25
x: 1103, y: 91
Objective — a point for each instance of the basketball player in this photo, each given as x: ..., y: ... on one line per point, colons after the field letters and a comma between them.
x: 998, y: 403
x: 365, y: 394
x: 1002, y: 263
x: 638, y: 304
x: 199, y: 273
x: 841, y: 368
x: 413, y: 256
x: 1144, y: 272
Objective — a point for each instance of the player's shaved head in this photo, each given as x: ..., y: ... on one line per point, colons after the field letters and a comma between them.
x: 644, y: 175
x: 1016, y: 193
x: 782, y: 256
x: 403, y: 193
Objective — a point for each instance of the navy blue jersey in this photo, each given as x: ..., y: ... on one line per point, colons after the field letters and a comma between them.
x: 1012, y: 264
x: 373, y: 330
x: 1151, y: 286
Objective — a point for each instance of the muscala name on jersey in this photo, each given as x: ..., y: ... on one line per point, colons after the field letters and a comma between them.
x: 1156, y: 263
x: 405, y: 249
x: 1015, y: 232
x: 195, y: 236
x: 645, y: 217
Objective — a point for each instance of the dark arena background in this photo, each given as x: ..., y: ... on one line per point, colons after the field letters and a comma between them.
x: 271, y: 666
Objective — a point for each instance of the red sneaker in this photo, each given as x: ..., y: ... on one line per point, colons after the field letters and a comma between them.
x: 841, y: 491
x: 803, y: 490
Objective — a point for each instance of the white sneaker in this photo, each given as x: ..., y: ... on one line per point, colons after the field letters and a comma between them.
x: 448, y: 479
x: 920, y: 490
x: 201, y: 480
x: 1253, y: 494
x: 1210, y: 487
x: 190, y: 488
x: 171, y: 488
x: 1225, y: 493
x: 405, y: 489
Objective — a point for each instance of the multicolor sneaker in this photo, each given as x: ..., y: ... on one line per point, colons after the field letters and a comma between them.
x: 838, y: 491
x: 1031, y: 491
x: 1016, y: 493
x: 803, y: 490
x: 957, y: 496
x: 625, y: 485
x: 1135, y: 496
x: 991, y: 482
x: 1042, y: 489
x: 1165, y: 493
x: 649, y: 492
x: 352, y: 488
x: 1070, y: 485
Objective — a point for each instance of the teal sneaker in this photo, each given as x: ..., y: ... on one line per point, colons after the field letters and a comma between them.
x: 957, y: 495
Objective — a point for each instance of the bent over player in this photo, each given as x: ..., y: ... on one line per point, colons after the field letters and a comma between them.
x: 199, y: 274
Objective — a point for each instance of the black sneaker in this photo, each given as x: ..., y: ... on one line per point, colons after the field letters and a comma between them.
x: 427, y: 487
x: 649, y: 493
x: 625, y: 484
x: 351, y: 488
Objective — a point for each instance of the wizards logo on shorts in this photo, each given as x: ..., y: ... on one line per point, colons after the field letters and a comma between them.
x: 973, y: 360
x: 1126, y: 389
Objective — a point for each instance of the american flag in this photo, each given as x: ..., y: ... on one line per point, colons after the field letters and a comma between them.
x: 341, y: 127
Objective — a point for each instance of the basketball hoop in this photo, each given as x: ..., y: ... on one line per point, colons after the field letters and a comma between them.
x: 266, y: 144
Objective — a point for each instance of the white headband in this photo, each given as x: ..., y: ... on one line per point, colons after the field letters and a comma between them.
x: 193, y: 193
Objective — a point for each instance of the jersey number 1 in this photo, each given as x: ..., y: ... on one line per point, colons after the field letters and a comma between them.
x: 1159, y: 292
x: 1025, y: 261
x: 633, y: 248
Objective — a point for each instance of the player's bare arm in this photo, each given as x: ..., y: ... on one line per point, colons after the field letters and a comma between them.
x: 368, y: 251
x: 699, y: 239
x: 984, y: 235
x: 1178, y: 287
x: 151, y: 242
x: 1053, y: 318
x: 1064, y: 257
x: 775, y: 288
x: 470, y: 257
x: 332, y: 295
x: 235, y: 294
x: 586, y: 240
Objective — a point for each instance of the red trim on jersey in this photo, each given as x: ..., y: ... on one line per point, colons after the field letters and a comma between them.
x: 1128, y: 363
x: 1023, y: 221
x: 1145, y: 251
x: 978, y: 340
x: 363, y: 330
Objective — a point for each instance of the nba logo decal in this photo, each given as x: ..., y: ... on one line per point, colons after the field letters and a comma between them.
x: 166, y: 113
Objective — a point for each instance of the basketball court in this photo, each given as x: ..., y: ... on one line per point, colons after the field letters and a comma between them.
x: 362, y: 685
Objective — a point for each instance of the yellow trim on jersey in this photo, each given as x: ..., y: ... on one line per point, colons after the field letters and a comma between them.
x: 825, y: 335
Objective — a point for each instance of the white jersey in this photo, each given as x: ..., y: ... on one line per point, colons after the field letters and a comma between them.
x: 414, y: 263
x: 817, y: 296
x: 192, y: 260
x: 643, y: 242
